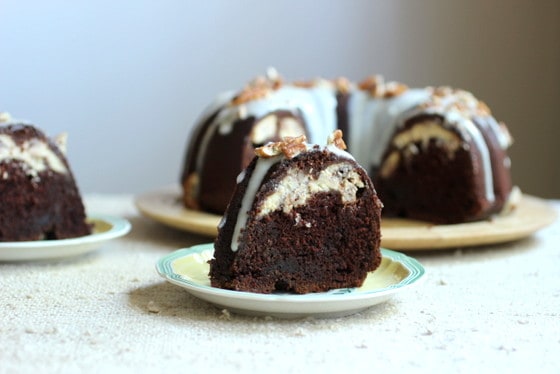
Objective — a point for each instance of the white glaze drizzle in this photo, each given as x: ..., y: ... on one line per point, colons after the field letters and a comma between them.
x: 261, y: 168
x: 317, y: 107
x: 372, y: 121
x: 36, y: 155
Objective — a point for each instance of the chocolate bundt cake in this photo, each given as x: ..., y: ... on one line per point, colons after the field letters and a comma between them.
x: 303, y: 218
x: 38, y: 195
x: 434, y: 153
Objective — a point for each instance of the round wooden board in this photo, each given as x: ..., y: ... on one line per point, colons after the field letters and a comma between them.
x: 165, y: 206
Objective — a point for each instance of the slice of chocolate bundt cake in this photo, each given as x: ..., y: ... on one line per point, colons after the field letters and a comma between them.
x: 303, y: 218
x: 38, y: 195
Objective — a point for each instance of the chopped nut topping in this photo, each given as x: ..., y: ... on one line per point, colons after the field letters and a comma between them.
x: 442, y: 91
x: 377, y: 87
x: 371, y: 84
x: 317, y: 82
x: 250, y: 93
x: 463, y: 101
x: 304, y: 84
x: 336, y: 139
x: 289, y: 146
x: 269, y: 150
x: 258, y: 88
x: 261, y: 86
x: 393, y: 89
x: 342, y: 85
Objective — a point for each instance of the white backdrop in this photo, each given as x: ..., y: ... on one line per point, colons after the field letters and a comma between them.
x: 127, y: 79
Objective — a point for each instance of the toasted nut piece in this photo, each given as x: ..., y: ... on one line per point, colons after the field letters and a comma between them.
x: 393, y: 89
x: 336, y: 139
x: 373, y: 84
x: 290, y: 147
x: 258, y: 88
x: 377, y: 87
x: 342, y: 85
x: 304, y: 84
x: 269, y: 150
x: 250, y: 94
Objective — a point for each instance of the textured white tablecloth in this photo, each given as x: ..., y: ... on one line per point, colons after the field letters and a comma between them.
x: 487, y: 309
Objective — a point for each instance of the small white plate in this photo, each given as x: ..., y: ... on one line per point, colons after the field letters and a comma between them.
x: 104, y: 228
x: 188, y: 268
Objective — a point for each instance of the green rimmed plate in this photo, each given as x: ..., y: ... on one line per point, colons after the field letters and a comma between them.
x: 188, y: 268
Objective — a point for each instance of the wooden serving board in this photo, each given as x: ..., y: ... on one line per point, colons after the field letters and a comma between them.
x: 164, y: 205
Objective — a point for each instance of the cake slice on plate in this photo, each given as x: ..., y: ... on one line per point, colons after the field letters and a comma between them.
x: 303, y: 218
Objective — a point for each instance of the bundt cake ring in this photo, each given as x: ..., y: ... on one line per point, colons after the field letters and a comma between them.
x: 434, y: 154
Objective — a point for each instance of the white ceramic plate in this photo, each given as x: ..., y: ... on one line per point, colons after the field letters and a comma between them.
x: 531, y: 214
x: 188, y: 268
x: 104, y: 228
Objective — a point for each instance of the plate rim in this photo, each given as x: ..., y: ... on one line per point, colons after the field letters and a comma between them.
x: 416, y: 271
x: 424, y: 236
x: 73, y: 246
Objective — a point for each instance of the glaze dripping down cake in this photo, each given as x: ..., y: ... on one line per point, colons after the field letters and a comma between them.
x: 39, y: 198
x: 434, y: 153
x: 303, y: 218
